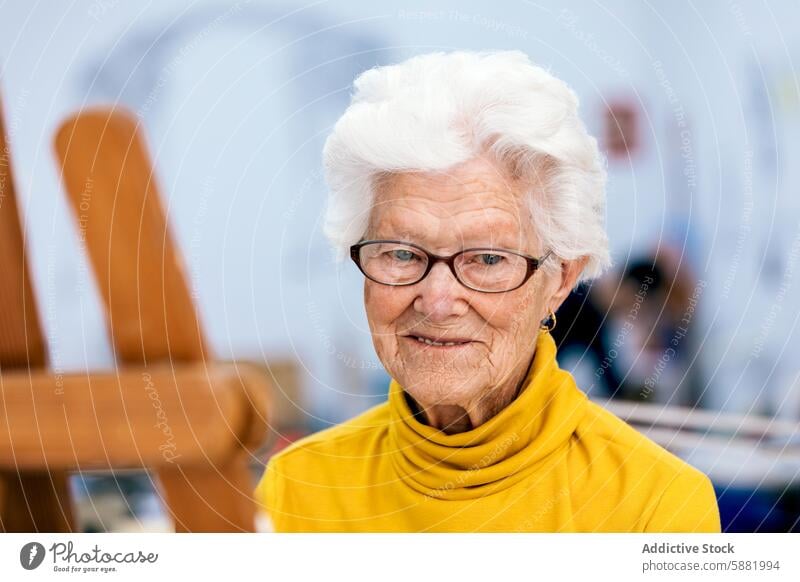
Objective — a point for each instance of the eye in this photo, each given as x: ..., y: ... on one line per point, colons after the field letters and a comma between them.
x: 403, y: 255
x: 489, y: 259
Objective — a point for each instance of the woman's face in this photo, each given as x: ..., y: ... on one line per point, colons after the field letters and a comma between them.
x: 475, y: 204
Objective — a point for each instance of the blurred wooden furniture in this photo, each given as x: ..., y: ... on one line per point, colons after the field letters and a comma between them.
x: 26, y: 497
x: 168, y: 407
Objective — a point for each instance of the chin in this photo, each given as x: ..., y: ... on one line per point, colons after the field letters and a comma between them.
x: 455, y: 390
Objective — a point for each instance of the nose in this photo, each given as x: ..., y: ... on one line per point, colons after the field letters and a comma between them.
x: 441, y: 297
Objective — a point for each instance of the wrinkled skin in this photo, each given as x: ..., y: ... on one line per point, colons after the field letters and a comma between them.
x: 474, y: 204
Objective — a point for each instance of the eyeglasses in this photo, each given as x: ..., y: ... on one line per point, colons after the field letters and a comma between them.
x: 398, y: 263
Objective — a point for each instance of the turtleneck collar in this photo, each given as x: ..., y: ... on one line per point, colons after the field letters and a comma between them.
x: 501, y: 451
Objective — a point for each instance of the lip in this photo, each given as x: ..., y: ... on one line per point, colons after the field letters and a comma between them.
x: 441, y: 343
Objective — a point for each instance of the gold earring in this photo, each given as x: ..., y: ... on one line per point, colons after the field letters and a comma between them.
x: 549, y: 323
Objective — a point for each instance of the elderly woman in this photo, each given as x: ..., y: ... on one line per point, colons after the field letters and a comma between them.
x: 469, y: 194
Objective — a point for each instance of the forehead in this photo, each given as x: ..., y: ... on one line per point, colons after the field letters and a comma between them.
x: 477, y: 202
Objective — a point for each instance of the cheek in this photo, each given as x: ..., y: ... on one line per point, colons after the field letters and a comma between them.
x: 384, y: 305
x: 513, y: 317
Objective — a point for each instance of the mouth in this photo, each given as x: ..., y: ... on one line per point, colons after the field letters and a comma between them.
x: 440, y: 343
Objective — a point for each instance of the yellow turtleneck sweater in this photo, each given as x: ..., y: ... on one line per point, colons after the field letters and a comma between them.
x: 551, y: 461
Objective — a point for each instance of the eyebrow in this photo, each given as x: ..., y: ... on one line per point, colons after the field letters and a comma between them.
x: 419, y: 238
x: 447, y: 251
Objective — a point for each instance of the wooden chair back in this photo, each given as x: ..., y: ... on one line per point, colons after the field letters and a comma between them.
x: 168, y: 407
x: 35, y: 500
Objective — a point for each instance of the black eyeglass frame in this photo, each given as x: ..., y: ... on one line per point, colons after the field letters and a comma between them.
x: 533, y: 263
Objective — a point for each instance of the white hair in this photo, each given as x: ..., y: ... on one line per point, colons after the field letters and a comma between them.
x: 437, y: 110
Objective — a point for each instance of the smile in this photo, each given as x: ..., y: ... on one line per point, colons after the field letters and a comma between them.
x: 430, y: 342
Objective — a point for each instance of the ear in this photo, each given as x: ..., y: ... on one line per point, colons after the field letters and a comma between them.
x: 570, y: 270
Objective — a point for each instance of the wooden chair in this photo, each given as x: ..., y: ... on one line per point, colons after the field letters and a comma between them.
x: 168, y: 407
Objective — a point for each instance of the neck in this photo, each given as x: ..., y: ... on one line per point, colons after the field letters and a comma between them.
x: 458, y: 418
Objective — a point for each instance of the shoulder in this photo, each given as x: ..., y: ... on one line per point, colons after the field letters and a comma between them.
x: 343, y: 439
x: 606, y: 432
x: 329, y: 451
x: 663, y: 490
x: 323, y: 461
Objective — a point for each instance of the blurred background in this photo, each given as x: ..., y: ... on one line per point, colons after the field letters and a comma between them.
x: 693, y: 337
